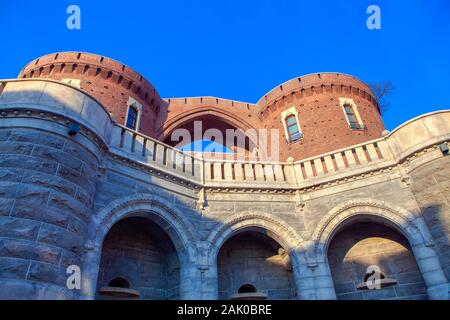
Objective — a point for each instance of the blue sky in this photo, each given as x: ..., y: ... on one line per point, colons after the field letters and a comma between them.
x: 242, y: 49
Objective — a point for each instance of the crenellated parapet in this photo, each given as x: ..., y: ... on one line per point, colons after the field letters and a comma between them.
x: 109, y: 81
x: 318, y: 102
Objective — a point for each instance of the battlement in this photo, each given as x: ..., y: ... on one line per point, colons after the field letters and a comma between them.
x: 89, y: 64
x: 315, y: 97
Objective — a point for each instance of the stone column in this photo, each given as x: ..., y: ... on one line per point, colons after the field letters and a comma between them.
x: 89, y: 272
x: 312, y: 276
x: 190, y: 281
x: 432, y: 273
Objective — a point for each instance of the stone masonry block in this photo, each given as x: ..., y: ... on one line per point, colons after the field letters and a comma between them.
x: 51, y: 182
x: 28, y: 210
x: 19, y: 228
x: 13, y: 268
x: 34, y: 137
x: 12, y: 248
x: 51, y: 154
x: 24, y: 162
x: 57, y: 236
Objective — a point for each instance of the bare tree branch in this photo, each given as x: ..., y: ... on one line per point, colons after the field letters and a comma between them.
x: 381, y: 90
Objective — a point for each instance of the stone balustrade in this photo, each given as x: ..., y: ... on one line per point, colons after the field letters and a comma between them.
x: 59, y: 98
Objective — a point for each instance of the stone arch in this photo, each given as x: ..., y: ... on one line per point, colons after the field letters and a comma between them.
x: 412, y: 227
x: 187, y: 116
x: 268, y: 225
x: 217, y: 120
x: 277, y: 229
x: 159, y: 209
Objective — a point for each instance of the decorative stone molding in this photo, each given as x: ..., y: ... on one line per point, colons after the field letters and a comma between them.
x: 280, y: 231
x: 179, y: 229
x: 290, y: 112
x: 32, y: 113
x: 300, y: 205
x: 412, y: 227
x: 202, y: 202
x: 348, y: 101
x: 182, y: 181
x: 138, y: 106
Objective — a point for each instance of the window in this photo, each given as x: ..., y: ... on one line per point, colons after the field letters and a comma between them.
x: 292, y: 128
x: 291, y: 125
x: 352, y: 115
x: 132, y: 118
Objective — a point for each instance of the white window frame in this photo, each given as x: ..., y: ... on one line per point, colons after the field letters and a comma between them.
x: 345, y: 101
x: 289, y: 112
x: 138, y: 106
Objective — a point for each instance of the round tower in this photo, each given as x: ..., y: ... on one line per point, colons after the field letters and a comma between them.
x: 113, y: 84
x: 52, y: 137
x: 320, y: 113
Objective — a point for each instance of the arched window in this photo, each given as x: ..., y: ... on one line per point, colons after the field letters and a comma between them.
x: 292, y: 128
x: 247, y: 288
x: 351, y: 116
x: 132, y: 118
x: 119, y: 283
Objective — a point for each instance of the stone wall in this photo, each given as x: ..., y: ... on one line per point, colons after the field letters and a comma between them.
x: 138, y: 250
x: 361, y: 245
x: 46, y: 192
x: 255, y: 259
x: 431, y: 188
x: 61, y: 195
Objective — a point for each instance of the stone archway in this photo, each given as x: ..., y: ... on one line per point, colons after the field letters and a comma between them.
x: 275, y: 230
x: 411, y: 226
x: 229, y: 133
x: 163, y: 213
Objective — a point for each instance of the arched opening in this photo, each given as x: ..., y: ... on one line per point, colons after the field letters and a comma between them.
x: 247, y: 288
x: 138, y: 255
x: 119, y: 283
x: 372, y: 261
x: 251, y: 265
x: 213, y: 136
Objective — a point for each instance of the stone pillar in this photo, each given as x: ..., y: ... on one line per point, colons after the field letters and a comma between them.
x: 190, y: 281
x: 89, y: 273
x: 210, y: 282
x: 437, y: 285
x: 312, y: 277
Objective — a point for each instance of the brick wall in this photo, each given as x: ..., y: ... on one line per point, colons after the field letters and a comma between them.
x: 109, y: 81
x: 316, y: 98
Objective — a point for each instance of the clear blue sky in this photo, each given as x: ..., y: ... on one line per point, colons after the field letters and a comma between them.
x: 242, y: 49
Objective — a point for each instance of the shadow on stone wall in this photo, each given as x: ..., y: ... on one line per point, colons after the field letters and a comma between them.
x: 60, y: 196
